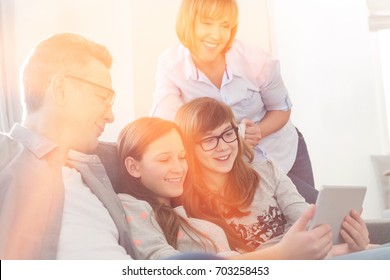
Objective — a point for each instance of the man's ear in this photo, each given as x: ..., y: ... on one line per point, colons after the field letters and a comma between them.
x: 132, y: 166
x: 57, y: 90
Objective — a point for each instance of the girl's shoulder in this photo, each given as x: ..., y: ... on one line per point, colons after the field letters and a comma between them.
x: 131, y: 204
x: 270, y: 175
x: 265, y: 168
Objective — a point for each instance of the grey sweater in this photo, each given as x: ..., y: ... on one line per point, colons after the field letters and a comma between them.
x: 275, y: 207
x: 150, y: 239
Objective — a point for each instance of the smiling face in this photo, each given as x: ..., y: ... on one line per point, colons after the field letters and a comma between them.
x: 163, y: 167
x: 207, y: 20
x: 88, y: 111
x: 219, y: 161
x: 210, y: 38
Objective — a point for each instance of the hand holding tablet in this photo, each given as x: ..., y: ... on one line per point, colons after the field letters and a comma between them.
x: 334, y: 203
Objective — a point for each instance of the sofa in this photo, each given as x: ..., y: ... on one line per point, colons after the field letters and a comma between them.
x: 379, y: 229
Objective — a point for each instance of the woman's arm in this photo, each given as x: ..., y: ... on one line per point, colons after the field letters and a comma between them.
x: 276, y: 101
x: 272, y: 122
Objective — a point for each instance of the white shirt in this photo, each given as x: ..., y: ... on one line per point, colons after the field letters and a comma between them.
x: 88, y: 231
x: 251, y: 86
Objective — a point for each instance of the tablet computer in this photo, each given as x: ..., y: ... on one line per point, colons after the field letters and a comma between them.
x: 333, y: 204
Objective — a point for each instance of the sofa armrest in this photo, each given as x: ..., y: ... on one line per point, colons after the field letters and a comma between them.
x: 379, y: 230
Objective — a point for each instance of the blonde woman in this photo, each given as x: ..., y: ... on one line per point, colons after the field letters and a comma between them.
x: 210, y: 62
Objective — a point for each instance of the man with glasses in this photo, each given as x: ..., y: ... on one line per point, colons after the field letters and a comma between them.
x: 56, y: 201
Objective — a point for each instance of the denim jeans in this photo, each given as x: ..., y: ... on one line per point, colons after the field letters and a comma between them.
x: 302, y: 173
x: 195, y: 256
x: 381, y: 252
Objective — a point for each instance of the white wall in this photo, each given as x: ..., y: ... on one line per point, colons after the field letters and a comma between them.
x: 330, y: 66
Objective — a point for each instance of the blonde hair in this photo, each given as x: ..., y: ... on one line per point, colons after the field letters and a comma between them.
x: 192, y: 10
x: 64, y: 53
x: 195, y: 119
x: 133, y: 141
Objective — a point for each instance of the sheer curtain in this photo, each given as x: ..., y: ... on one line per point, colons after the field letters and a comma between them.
x: 10, y: 105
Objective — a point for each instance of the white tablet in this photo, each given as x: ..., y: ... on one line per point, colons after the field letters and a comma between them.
x: 334, y: 203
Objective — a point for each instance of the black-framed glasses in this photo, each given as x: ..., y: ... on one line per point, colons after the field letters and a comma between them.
x: 210, y: 143
x: 109, y: 95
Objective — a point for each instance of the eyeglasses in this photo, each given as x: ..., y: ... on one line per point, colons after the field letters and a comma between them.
x: 210, y: 143
x: 108, y: 97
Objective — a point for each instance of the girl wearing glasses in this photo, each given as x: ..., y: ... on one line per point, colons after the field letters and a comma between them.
x: 153, y: 168
x: 256, y: 204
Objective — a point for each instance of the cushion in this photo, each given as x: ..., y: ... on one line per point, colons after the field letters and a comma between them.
x: 108, y: 154
x: 379, y: 230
